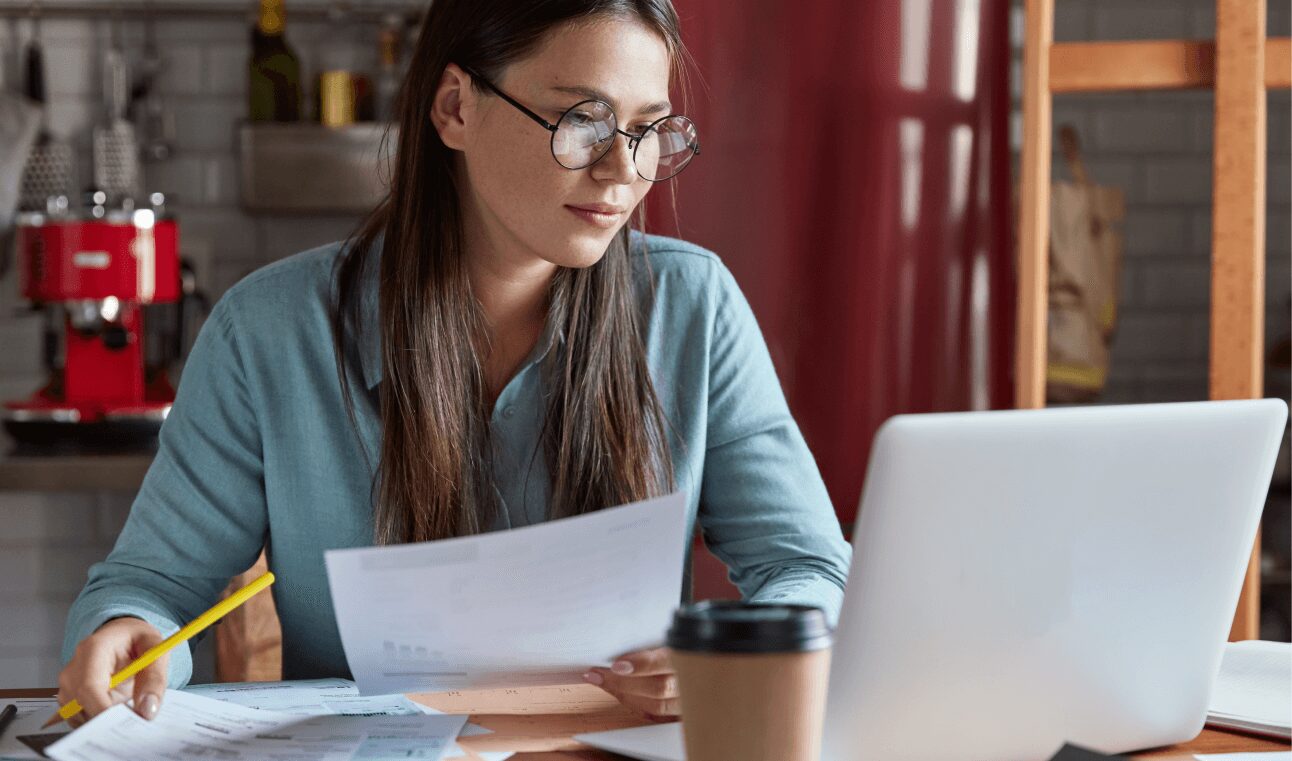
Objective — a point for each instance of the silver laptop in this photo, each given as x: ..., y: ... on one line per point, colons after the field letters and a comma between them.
x: 1027, y: 578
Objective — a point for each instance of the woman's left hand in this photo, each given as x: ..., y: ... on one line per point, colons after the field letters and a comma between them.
x: 643, y: 680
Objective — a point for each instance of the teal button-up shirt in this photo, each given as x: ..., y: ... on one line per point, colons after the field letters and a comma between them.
x: 258, y: 451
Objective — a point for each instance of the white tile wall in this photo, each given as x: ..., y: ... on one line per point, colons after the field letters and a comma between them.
x: 1136, y: 19
x: 48, y: 544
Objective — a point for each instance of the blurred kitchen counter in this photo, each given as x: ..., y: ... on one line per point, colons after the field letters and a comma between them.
x: 25, y: 469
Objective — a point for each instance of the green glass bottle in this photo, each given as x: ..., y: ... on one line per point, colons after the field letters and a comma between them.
x: 274, y: 84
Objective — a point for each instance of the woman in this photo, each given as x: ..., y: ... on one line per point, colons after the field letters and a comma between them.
x: 494, y: 348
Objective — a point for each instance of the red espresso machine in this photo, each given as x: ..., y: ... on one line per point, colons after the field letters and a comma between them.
x: 92, y: 273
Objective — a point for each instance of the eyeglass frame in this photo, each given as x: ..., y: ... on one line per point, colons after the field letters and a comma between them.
x: 633, y: 140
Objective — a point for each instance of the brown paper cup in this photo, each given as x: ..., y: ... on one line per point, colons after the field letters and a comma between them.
x: 752, y: 707
x: 764, y: 702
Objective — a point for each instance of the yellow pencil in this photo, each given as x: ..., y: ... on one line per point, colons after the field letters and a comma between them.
x: 217, y: 611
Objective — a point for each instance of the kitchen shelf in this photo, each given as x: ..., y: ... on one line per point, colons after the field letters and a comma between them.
x: 309, y: 168
x: 108, y: 472
x: 122, y: 473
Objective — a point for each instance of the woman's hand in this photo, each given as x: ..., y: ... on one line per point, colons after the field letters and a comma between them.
x: 105, y: 652
x: 643, y: 680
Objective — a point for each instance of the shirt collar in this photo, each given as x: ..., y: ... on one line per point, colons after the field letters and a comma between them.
x: 369, y: 328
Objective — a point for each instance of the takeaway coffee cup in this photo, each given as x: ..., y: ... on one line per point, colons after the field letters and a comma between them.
x: 751, y: 679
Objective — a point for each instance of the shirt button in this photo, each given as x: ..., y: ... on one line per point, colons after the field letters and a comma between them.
x: 508, y: 411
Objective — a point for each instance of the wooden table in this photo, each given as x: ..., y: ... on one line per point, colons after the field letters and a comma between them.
x: 1210, y: 741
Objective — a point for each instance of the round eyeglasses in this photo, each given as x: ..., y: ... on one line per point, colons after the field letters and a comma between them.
x: 586, y: 131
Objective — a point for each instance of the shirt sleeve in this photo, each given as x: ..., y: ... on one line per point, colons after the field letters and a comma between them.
x: 199, y: 518
x: 764, y: 510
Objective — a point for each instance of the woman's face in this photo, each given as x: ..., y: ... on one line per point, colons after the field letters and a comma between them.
x: 521, y: 202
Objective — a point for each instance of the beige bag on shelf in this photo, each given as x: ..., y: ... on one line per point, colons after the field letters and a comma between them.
x: 1085, y: 266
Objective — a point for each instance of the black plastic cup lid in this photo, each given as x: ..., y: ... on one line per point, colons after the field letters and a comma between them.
x: 721, y: 626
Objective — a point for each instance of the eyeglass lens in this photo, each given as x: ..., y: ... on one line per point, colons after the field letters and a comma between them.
x: 585, y: 133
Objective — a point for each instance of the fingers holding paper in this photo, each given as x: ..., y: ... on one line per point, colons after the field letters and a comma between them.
x: 643, y: 680
x: 112, y: 647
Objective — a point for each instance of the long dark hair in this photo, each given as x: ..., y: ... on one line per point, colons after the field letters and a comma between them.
x: 604, y: 429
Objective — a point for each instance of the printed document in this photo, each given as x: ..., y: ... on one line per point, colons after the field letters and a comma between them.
x: 530, y: 606
x: 192, y: 726
x: 320, y: 697
x: 309, y: 697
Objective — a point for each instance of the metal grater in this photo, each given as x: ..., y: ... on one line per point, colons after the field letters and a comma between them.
x: 47, y: 174
x: 50, y: 169
x: 116, y: 154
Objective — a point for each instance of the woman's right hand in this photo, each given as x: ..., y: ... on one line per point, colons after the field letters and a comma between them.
x: 109, y: 649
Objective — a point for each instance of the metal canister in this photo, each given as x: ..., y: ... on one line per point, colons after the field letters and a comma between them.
x: 336, y: 98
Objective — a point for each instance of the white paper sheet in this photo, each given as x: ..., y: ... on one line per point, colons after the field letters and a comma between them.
x: 302, y: 697
x: 32, y: 712
x: 1252, y: 688
x: 1278, y: 755
x: 195, y: 726
x: 653, y: 742
x: 318, y: 697
x: 530, y: 606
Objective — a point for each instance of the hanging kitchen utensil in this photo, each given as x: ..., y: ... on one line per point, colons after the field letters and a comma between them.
x: 51, y: 169
x: 156, y: 121
x: 19, y: 123
x: 116, y: 152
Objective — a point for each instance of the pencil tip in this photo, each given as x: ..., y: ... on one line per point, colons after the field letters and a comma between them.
x: 52, y: 721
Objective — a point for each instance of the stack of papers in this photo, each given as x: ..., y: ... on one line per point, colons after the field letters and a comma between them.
x: 191, y: 726
x: 298, y: 712
x: 319, y: 697
x: 1254, y: 689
